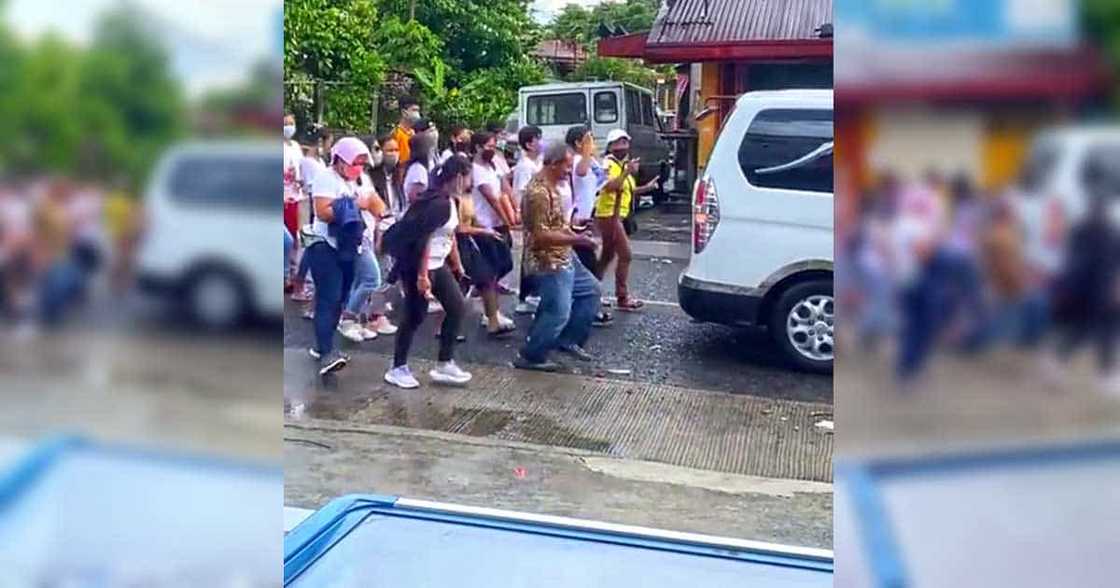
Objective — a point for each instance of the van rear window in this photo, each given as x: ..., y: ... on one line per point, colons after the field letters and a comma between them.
x: 557, y: 109
x: 228, y: 182
x: 786, y: 149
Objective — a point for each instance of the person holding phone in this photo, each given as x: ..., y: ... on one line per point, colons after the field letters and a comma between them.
x: 585, y: 183
x: 614, y: 206
x: 569, y: 292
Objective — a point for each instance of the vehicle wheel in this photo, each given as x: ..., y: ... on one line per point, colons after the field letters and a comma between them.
x: 802, y: 324
x: 216, y: 299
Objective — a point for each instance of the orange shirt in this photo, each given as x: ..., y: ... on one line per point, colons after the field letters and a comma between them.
x: 401, y: 135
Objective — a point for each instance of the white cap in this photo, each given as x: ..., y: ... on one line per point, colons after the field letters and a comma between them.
x: 615, y: 135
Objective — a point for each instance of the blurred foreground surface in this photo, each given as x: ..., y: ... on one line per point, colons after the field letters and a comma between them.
x: 94, y: 99
x: 977, y: 253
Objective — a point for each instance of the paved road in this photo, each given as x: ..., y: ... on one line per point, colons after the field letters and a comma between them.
x: 661, y: 344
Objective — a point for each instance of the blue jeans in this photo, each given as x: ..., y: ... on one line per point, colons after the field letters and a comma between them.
x: 289, y: 244
x: 367, y: 278
x: 60, y: 286
x: 569, y: 301
x: 332, y: 285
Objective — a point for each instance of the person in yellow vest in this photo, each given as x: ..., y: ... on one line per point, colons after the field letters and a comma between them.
x: 614, y: 206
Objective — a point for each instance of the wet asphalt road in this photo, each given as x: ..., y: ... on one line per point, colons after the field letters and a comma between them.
x: 659, y: 345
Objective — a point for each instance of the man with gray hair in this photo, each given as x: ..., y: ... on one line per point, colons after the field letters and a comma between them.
x: 569, y: 292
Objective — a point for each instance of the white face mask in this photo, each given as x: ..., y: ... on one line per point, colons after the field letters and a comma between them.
x: 289, y: 131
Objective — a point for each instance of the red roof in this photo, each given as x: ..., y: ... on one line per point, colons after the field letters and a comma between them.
x: 731, y: 21
x: 729, y: 30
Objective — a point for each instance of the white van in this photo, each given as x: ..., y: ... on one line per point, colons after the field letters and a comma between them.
x: 762, y: 225
x: 604, y: 106
x: 212, y: 239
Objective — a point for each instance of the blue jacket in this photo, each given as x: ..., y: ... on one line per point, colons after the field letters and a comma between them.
x: 347, y: 227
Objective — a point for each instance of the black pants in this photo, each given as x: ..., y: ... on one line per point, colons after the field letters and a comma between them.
x: 446, y: 289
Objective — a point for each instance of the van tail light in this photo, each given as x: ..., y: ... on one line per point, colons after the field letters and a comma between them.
x: 705, y: 213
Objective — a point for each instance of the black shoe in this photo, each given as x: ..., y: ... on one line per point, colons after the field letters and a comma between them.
x: 520, y: 362
x: 333, y: 362
x: 577, y: 352
x: 603, y: 319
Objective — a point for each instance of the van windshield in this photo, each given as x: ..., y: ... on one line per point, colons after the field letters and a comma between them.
x: 557, y: 109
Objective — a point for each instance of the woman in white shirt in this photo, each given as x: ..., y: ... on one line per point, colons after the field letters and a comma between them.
x: 332, y: 271
x: 427, y: 261
x: 417, y: 172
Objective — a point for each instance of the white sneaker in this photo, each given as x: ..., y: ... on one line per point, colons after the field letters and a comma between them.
x: 351, y: 330
x: 384, y: 327
x: 449, y: 373
x: 402, y: 377
x: 314, y: 353
x: 368, y: 334
x: 434, y: 306
x: 503, y: 321
x: 388, y: 307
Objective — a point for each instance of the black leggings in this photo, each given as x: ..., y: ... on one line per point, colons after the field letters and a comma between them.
x: 446, y: 289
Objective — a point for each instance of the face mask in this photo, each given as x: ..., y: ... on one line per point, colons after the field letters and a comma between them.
x: 351, y: 172
x: 620, y: 154
x: 289, y: 131
x: 391, y: 160
x: 376, y: 158
x: 461, y: 147
x: 488, y: 154
x: 412, y: 117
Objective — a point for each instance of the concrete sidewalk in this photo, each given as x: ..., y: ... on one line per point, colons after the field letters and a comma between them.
x: 730, y: 433
x: 1000, y: 397
x: 326, y: 459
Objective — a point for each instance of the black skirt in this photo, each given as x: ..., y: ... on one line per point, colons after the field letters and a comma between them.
x: 486, y: 260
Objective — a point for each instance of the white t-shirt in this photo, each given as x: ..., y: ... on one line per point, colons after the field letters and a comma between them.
x: 309, y: 169
x: 417, y: 174
x: 585, y: 189
x: 564, y: 189
x: 328, y: 184
x: 292, y: 156
x: 501, y: 165
x: 524, y: 171
x: 444, y: 156
x: 484, y: 214
x: 439, y: 246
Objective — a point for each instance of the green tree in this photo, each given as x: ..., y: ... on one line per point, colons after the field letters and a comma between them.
x: 130, y: 106
x: 582, y: 24
x: 334, y: 41
x: 477, y: 34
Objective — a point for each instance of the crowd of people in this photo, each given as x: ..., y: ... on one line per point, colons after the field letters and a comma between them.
x: 370, y: 220
x: 55, y: 234
x: 937, y: 261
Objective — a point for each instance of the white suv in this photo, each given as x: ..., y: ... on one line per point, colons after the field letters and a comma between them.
x: 212, y: 235
x: 762, y: 225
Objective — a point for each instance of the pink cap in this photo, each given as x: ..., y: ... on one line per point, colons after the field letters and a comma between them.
x: 348, y: 149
